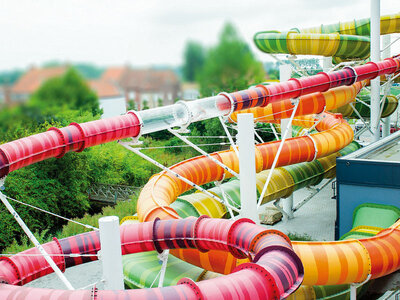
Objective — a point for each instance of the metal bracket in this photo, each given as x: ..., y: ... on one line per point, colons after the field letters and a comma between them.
x: 163, y: 258
x: 225, y: 197
x: 314, y: 191
x: 276, y: 203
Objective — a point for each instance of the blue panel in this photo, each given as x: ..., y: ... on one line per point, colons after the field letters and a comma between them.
x: 370, y: 173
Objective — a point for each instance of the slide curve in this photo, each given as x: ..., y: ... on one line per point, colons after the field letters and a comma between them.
x: 275, y: 270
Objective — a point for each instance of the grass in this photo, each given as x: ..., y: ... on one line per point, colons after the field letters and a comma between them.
x: 299, y: 237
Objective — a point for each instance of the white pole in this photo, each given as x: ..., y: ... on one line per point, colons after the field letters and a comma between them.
x: 327, y: 64
x: 375, y: 57
x: 164, y: 259
x: 247, y: 167
x: 111, y: 255
x: 353, y: 291
x: 386, y: 54
x: 277, y: 155
x: 30, y: 235
x: 285, y: 72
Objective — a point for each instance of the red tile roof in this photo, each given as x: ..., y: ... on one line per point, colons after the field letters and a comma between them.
x: 149, y: 80
x: 104, y: 89
x: 35, y: 77
x: 113, y: 74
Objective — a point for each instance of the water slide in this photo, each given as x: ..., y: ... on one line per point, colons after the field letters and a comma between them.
x: 141, y: 269
x: 275, y: 270
x: 343, y: 41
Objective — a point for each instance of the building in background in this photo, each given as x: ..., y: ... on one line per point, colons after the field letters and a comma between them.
x: 5, y: 94
x: 111, y: 99
x: 29, y: 82
x: 190, y: 91
x: 145, y: 86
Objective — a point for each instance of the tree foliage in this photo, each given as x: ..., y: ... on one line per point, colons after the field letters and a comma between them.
x: 230, y: 65
x: 66, y: 92
x: 194, y: 56
x: 10, y: 77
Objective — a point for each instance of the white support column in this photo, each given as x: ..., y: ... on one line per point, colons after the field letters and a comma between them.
x: 285, y: 73
x: 247, y: 167
x: 327, y: 64
x: 375, y: 57
x: 111, y: 255
x: 386, y: 54
x: 353, y: 291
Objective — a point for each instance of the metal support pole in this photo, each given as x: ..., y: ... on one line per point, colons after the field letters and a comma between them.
x: 185, y: 140
x: 354, y: 286
x: 277, y: 156
x: 375, y: 57
x: 163, y: 257
x: 327, y: 64
x: 111, y: 255
x: 247, y: 167
x: 30, y: 235
x: 285, y: 72
x: 234, y: 147
x: 353, y: 291
x: 386, y: 54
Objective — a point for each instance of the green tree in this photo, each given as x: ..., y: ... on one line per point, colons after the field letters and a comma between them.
x: 66, y: 92
x: 145, y: 105
x: 10, y: 77
x: 230, y: 65
x: 194, y: 60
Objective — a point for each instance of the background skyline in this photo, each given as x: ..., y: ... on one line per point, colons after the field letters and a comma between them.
x: 145, y: 33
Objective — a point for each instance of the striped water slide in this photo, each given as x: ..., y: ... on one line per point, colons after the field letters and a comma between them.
x: 141, y: 269
x: 343, y: 41
x: 335, y: 134
x: 151, y: 203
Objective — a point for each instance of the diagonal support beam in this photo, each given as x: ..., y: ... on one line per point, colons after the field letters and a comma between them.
x: 278, y: 153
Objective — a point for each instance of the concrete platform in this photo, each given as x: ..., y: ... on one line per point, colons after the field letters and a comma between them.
x: 316, y: 218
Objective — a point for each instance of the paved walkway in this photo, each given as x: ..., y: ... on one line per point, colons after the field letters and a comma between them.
x: 316, y: 218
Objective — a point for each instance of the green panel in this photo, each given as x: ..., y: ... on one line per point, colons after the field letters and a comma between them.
x: 184, y: 208
x: 395, y: 90
x: 296, y: 130
x: 140, y: 270
x: 305, y: 174
x: 331, y: 28
x: 362, y: 27
x: 388, y: 108
x: 377, y: 215
x: 342, y: 291
x: 232, y: 191
x: 355, y: 235
x: 353, y: 146
x: 353, y: 46
x: 271, y: 41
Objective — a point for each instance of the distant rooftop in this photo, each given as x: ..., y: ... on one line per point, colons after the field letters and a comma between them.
x: 104, y: 88
x: 35, y: 77
x: 113, y: 74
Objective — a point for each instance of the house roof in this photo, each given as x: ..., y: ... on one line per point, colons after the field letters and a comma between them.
x: 35, y: 77
x: 113, y: 74
x: 104, y: 88
x: 149, y: 79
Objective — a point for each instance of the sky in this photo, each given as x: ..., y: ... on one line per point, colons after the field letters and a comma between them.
x: 143, y: 33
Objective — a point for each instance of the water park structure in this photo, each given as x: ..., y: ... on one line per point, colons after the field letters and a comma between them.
x: 226, y: 255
